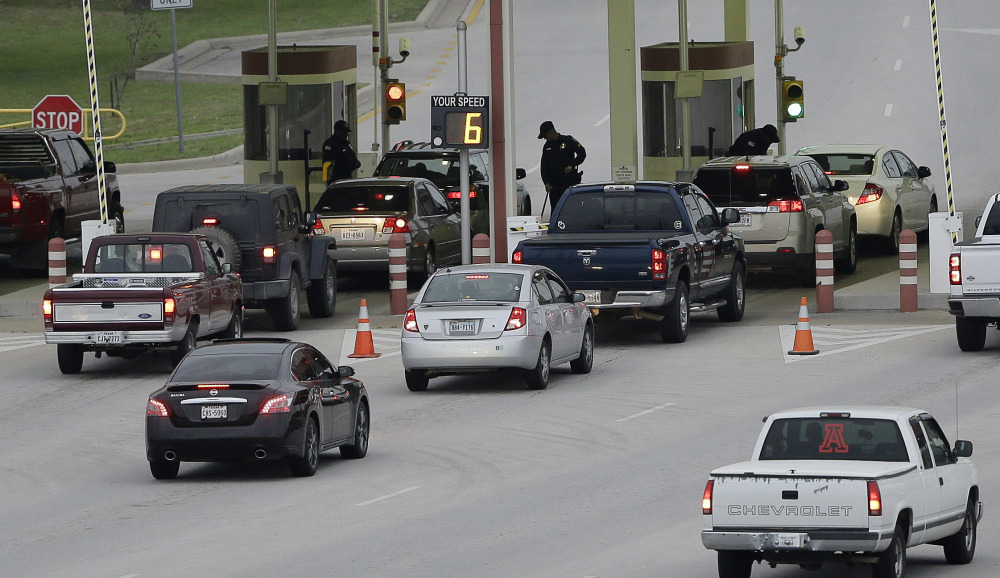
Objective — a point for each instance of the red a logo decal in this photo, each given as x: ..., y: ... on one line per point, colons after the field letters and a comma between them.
x: 834, y: 439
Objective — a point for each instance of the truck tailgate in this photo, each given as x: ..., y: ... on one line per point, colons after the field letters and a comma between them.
x: 586, y: 263
x: 979, y: 271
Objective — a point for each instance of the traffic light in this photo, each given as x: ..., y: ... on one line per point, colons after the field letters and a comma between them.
x: 792, y: 100
x: 395, y: 102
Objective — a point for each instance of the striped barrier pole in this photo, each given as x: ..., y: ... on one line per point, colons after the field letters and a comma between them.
x: 824, y: 272
x: 57, y: 261
x: 481, y: 248
x: 907, y: 271
x: 397, y: 274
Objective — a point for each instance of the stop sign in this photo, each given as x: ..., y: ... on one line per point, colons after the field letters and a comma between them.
x: 58, y: 111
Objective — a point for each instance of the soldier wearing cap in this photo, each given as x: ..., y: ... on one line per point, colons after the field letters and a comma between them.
x: 561, y: 157
x: 338, y: 151
x: 755, y: 142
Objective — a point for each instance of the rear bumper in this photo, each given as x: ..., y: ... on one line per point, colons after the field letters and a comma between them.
x: 469, y: 355
x: 974, y: 306
x: 770, y: 255
x: 129, y: 337
x: 631, y: 299
x: 260, y: 290
x: 814, y: 541
x: 278, y: 435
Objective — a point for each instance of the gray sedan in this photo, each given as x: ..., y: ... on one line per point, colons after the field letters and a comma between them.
x: 477, y: 318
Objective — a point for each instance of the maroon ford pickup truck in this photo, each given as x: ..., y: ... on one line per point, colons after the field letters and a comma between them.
x: 143, y: 292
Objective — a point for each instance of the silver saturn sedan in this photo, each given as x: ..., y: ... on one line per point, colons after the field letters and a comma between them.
x: 477, y: 318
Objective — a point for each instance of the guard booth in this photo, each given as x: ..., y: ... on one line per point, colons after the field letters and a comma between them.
x: 321, y: 89
x: 720, y: 77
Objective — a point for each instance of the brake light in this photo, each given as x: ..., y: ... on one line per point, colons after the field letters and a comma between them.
x: 955, y: 269
x: 706, y: 498
x: 787, y: 205
x: 156, y: 408
x: 871, y: 194
x: 458, y: 195
x: 318, y: 228
x: 518, y: 319
x: 155, y: 253
x: 278, y: 404
x: 742, y: 168
x: 268, y: 254
x: 659, y: 264
x: 874, y: 499
x: 47, y: 311
x: 213, y: 386
x: 169, y: 306
x: 395, y: 225
x: 410, y: 321
x: 517, y: 257
x: 210, y: 221
x: 15, y: 201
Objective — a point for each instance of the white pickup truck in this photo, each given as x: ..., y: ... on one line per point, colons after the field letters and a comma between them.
x: 849, y: 484
x: 974, y: 275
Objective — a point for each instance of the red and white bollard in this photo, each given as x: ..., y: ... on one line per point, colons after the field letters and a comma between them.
x: 824, y: 272
x: 397, y: 274
x: 907, y: 271
x: 57, y: 261
x: 481, y: 249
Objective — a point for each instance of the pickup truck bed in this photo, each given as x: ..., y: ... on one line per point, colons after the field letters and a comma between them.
x: 974, y: 274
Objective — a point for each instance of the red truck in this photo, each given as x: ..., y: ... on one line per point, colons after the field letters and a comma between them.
x: 48, y: 187
x: 143, y: 292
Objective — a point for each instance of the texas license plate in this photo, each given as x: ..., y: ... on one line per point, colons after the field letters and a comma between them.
x: 789, y: 540
x: 110, y: 337
x: 352, y: 234
x: 592, y: 297
x: 744, y: 220
x: 214, y: 412
x: 461, y: 327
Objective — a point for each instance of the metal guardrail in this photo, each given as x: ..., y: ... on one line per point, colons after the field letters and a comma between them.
x: 86, y: 122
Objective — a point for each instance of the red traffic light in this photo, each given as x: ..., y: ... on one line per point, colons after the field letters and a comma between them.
x: 395, y: 102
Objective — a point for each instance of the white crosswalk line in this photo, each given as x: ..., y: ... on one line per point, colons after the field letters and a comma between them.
x: 15, y: 341
x: 833, y: 340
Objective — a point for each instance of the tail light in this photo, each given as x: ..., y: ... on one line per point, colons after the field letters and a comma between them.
x: 395, y: 225
x: 871, y: 194
x: 955, y: 269
x: 874, y: 499
x: 458, y: 194
x: 741, y: 168
x: 518, y: 319
x: 268, y: 254
x: 278, y: 404
x: 517, y: 257
x: 15, y: 201
x: 318, y: 228
x: 156, y: 408
x: 47, y: 311
x: 787, y: 205
x: 706, y: 498
x: 410, y: 321
x: 169, y: 307
x: 659, y: 264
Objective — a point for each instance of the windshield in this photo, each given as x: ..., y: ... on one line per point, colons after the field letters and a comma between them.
x: 619, y: 211
x: 444, y: 172
x: 228, y: 368
x: 143, y: 258
x: 365, y: 198
x: 834, y: 438
x: 745, y: 185
x: 505, y: 287
x: 846, y: 164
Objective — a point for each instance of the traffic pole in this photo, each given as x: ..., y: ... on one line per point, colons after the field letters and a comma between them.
x: 907, y: 271
x: 57, y: 261
x: 397, y: 274
x: 824, y: 272
x: 481, y: 249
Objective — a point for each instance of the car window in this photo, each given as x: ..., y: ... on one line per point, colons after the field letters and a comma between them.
x: 441, y: 170
x: 211, y: 263
x: 302, y: 366
x: 821, y: 178
x: 505, y: 287
x: 281, y: 213
x: 80, y: 154
x: 360, y: 199
x: 992, y: 226
x: 427, y: 203
x: 810, y: 176
x: 845, y: 163
x: 906, y: 166
x: 143, y: 258
x: 296, y: 210
x: 834, y: 438
x: 745, y: 185
x: 891, y: 168
x: 925, y: 452
x: 938, y: 443
x: 560, y: 293
x: 228, y: 368
x: 541, y: 288
x: 321, y: 366
x: 801, y: 184
x: 65, y: 157
x: 439, y: 200
x: 620, y: 211
x: 709, y: 216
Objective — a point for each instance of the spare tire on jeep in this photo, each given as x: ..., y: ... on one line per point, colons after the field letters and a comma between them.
x: 227, y: 250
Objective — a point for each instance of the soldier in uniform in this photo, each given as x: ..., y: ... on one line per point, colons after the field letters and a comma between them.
x: 338, y: 150
x: 755, y: 142
x: 561, y: 157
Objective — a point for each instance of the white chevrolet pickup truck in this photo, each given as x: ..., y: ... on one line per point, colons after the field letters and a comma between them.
x: 974, y: 275
x: 849, y: 484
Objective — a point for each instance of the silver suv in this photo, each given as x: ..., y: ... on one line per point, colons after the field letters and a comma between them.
x: 783, y: 202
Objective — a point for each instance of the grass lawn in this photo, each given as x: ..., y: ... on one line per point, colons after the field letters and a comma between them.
x: 52, y: 59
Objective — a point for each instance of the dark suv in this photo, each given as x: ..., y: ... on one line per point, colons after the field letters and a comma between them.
x: 262, y: 231
x: 441, y: 167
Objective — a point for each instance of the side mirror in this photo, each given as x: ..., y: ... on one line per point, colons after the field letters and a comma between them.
x: 227, y: 268
x: 839, y: 185
x: 519, y: 174
x: 579, y: 297
x: 963, y: 448
x: 730, y: 215
x: 311, y: 218
x: 978, y: 219
x: 88, y: 168
x: 345, y: 371
x: 923, y: 172
x: 110, y: 167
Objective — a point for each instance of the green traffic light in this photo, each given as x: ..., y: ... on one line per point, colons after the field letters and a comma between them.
x: 794, y: 110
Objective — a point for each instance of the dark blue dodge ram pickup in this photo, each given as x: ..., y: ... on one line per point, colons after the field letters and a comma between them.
x: 651, y: 249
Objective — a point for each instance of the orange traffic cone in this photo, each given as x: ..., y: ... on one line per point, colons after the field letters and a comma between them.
x: 803, y: 333
x: 363, y: 344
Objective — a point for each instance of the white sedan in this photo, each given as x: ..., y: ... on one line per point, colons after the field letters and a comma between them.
x: 888, y: 190
x: 477, y: 318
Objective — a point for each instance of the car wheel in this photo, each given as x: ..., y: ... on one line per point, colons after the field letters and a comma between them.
x: 118, y: 217
x: 225, y: 246
x: 892, y: 562
x: 849, y: 262
x: 70, y: 356
x: 164, y: 470
x: 585, y: 362
x: 305, y: 465
x: 416, y: 379
x: 362, y: 431
x: 971, y: 333
x: 526, y: 207
x: 186, y: 345
x: 285, y: 310
x: 960, y: 547
x: 538, y: 378
x: 322, y: 294
x: 674, y: 326
x: 430, y: 261
x: 735, y: 564
x: 736, y: 297
x: 235, y: 328
x: 892, y: 246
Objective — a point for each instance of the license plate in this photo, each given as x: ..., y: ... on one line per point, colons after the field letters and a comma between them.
x: 744, y: 220
x: 214, y: 411
x: 592, y: 297
x: 110, y: 337
x: 790, y: 540
x: 461, y: 327
x: 352, y: 234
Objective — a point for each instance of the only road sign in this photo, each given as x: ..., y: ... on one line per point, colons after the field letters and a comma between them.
x: 58, y: 111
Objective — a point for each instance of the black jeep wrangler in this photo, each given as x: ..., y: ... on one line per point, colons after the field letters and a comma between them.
x: 262, y: 231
